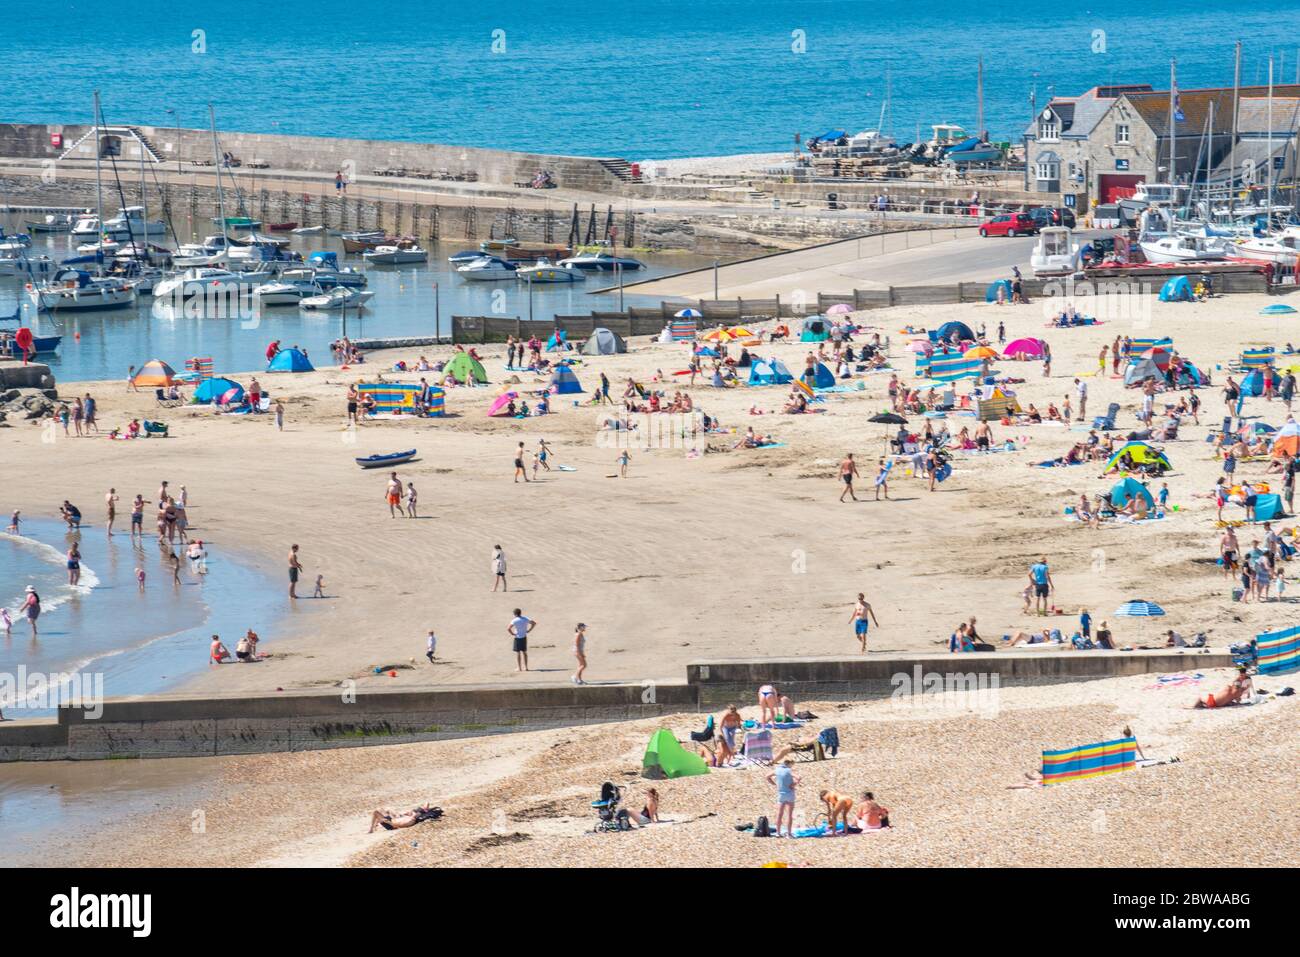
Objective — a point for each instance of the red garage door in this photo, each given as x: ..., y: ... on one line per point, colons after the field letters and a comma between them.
x: 1116, y: 186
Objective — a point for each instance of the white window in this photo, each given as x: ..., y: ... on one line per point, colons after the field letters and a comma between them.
x: 1048, y: 130
x: 1048, y: 171
x: 1121, y: 133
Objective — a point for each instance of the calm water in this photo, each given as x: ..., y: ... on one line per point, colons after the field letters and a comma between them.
x: 112, y: 341
x: 139, y: 641
x: 651, y: 78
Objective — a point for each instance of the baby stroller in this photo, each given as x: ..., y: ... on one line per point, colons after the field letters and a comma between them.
x: 612, y: 817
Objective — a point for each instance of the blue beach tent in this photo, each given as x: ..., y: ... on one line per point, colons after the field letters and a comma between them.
x: 290, y: 360
x: 1268, y: 507
x: 564, y: 382
x: 1128, y: 489
x: 1177, y: 289
x: 819, y: 377
x: 769, y: 372
x: 992, y: 294
x: 944, y: 332
x: 1252, y: 384
x: 210, y: 390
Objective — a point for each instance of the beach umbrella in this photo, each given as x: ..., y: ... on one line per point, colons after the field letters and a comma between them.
x: 1278, y: 309
x: 688, y: 314
x: 740, y: 332
x: 231, y: 395
x: 889, y: 418
x: 839, y: 309
x: 981, y: 352
x: 1139, y: 608
x: 719, y: 335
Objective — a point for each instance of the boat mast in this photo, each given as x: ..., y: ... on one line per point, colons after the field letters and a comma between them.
x: 144, y: 202
x: 979, y: 95
x: 1232, y: 159
x: 1268, y: 207
x: 99, y: 195
x: 216, y: 155
x: 1173, y: 131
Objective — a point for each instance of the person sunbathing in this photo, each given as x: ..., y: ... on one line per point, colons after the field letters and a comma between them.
x: 797, y: 406
x: 1033, y: 779
x: 871, y: 815
x: 1053, y: 413
x: 1235, y: 693
x: 1032, y: 416
x: 837, y: 810
x: 1023, y: 637
x: 391, y: 820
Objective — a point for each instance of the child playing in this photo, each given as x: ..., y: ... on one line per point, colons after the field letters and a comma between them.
x: 13, y: 522
x: 431, y: 646
x: 139, y: 578
x: 320, y: 587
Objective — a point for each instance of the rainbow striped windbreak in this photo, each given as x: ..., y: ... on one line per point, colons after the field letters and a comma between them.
x: 1089, y: 761
x: 391, y: 396
x: 1256, y: 358
x: 1278, y: 651
x: 952, y: 368
x: 1139, y: 346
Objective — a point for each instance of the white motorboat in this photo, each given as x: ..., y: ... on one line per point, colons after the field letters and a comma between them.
x: 108, y: 247
x: 339, y: 297
x: 1283, y: 249
x: 72, y: 290
x: 547, y: 271
x: 1055, y: 254
x: 86, y: 227
x: 399, y: 255
x: 601, y: 262
x: 1179, y: 247
x: 131, y: 224
x: 291, y: 288
x: 203, y: 281
x: 487, y: 269
x: 27, y: 266
x: 308, y: 230
x: 53, y: 223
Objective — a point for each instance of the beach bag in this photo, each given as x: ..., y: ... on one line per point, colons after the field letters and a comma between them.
x: 762, y: 828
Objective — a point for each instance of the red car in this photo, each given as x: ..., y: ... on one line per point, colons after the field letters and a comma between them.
x: 1010, y: 224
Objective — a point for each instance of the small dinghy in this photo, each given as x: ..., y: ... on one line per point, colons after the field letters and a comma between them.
x: 380, y: 461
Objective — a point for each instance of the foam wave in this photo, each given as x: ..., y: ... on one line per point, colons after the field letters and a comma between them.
x: 63, y: 593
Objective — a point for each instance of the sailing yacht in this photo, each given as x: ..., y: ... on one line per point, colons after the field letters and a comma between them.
x: 72, y: 290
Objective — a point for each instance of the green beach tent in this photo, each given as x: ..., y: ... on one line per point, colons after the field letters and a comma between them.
x: 463, y: 366
x: 664, y: 756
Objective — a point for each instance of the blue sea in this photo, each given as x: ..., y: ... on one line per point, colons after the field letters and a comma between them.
x: 645, y: 79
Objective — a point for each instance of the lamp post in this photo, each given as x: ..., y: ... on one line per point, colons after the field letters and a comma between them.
x: 619, y: 268
x: 715, y: 280
x: 530, y: 297
x: 437, y: 313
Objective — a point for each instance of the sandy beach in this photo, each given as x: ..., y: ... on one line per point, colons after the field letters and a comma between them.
x: 730, y: 552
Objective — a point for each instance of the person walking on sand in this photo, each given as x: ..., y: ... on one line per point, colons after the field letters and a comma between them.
x: 130, y: 380
x: 786, y: 781
x: 882, y: 479
x: 520, y: 628
x: 295, y: 569
x: 410, y: 500
x: 1101, y: 361
x: 848, y: 470
x: 624, y: 460
x: 1040, y: 577
x: 279, y: 416
x: 543, y: 453
x: 861, y: 610
x: 431, y: 644
x: 579, y: 653
x: 499, y: 569
x: 110, y: 508
x: 519, y: 464
x: 393, y: 494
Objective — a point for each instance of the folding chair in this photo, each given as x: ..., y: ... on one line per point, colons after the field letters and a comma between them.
x: 758, y: 746
x: 1107, y: 422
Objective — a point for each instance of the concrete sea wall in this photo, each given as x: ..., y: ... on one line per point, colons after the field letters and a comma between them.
x: 195, y: 726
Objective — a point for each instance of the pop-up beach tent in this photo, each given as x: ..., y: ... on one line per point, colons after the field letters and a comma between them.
x: 991, y: 294
x: 564, y: 382
x: 1141, y: 454
x: 1177, y: 289
x: 558, y: 341
x: 154, y: 374
x: 603, y: 342
x: 944, y: 332
x: 819, y: 377
x: 501, y: 405
x: 665, y: 757
x: 209, y: 390
x: 1024, y: 349
x: 290, y: 360
x: 815, y: 329
x: 463, y: 367
x: 1128, y: 489
x: 769, y: 372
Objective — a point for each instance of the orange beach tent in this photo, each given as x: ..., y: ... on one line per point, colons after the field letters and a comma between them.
x: 154, y: 374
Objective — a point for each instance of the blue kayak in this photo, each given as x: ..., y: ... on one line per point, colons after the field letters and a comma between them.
x: 392, y: 458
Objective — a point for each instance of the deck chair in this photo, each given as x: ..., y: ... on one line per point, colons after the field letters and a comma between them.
x: 1107, y: 422
x: 808, y: 752
x: 758, y: 746
x: 707, y: 734
x: 160, y: 396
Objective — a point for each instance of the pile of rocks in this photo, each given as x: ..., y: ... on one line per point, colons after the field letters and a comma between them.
x: 19, y: 404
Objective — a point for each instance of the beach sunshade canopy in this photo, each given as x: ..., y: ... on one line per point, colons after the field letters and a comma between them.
x: 689, y: 314
x: 819, y: 377
x: 963, y: 331
x: 1141, y: 454
x: 981, y: 352
x: 557, y: 341
x: 839, y: 309
x: 665, y: 756
x: 1286, y: 440
x: 991, y: 294
x: 1127, y: 489
x: 564, y: 382
x: 603, y: 342
x: 1139, y: 608
x: 464, y: 367
x: 210, y: 390
x: 719, y: 335
x: 1021, y: 348
x: 154, y: 374
x: 502, y: 401
x: 1252, y: 383
x: 740, y: 332
x: 815, y: 329
x: 1177, y: 289
x: 290, y: 360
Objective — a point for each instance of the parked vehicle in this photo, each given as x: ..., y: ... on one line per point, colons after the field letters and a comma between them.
x: 1053, y: 216
x: 1010, y: 224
